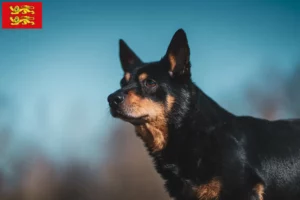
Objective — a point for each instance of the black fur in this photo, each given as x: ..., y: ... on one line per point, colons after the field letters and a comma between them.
x: 206, y: 141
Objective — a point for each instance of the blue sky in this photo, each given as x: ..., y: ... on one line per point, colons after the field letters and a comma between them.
x: 55, y: 81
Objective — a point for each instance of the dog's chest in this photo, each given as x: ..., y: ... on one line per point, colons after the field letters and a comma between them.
x: 184, y: 180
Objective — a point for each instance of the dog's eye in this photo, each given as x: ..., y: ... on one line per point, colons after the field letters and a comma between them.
x: 149, y: 83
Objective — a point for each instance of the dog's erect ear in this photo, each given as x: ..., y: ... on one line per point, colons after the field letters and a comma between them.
x: 129, y: 59
x: 178, y: 55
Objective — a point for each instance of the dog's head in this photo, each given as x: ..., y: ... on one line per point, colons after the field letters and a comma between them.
x: 150, y: 91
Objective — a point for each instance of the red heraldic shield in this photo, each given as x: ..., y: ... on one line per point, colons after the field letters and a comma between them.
x: 22, y: 15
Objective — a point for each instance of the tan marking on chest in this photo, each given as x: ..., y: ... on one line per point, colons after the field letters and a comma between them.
x: 154, y: 132
x: 209, y: 191
x: 260, y: 190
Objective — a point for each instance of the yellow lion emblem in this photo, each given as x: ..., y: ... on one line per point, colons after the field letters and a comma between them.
x: 15, y: 10
x: 24, y: 20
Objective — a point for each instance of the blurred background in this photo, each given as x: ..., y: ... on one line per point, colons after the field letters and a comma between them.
x: 57, y: 138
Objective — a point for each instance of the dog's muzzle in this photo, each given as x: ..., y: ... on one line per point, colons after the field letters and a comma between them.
x: 115, y: 99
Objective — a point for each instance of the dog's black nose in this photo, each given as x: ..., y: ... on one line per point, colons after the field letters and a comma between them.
x: 115, y: 99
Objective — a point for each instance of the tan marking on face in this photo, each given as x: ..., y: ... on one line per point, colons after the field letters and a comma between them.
x: 142, y: 77
x: 260, y: 190
x: 154, y: 131
x: 170, y: 102
x: 211, y: 190
x: 172, y: 61
x: 127, y: 76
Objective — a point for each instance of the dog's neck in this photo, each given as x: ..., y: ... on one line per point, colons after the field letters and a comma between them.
x: 189, y: 132
x: 203, y: 112
x: 206, y: 111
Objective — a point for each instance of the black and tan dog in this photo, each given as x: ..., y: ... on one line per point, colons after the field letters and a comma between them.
x: 201, y: 150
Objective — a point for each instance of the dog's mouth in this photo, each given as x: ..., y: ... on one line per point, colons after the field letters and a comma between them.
x: 133, y: 120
